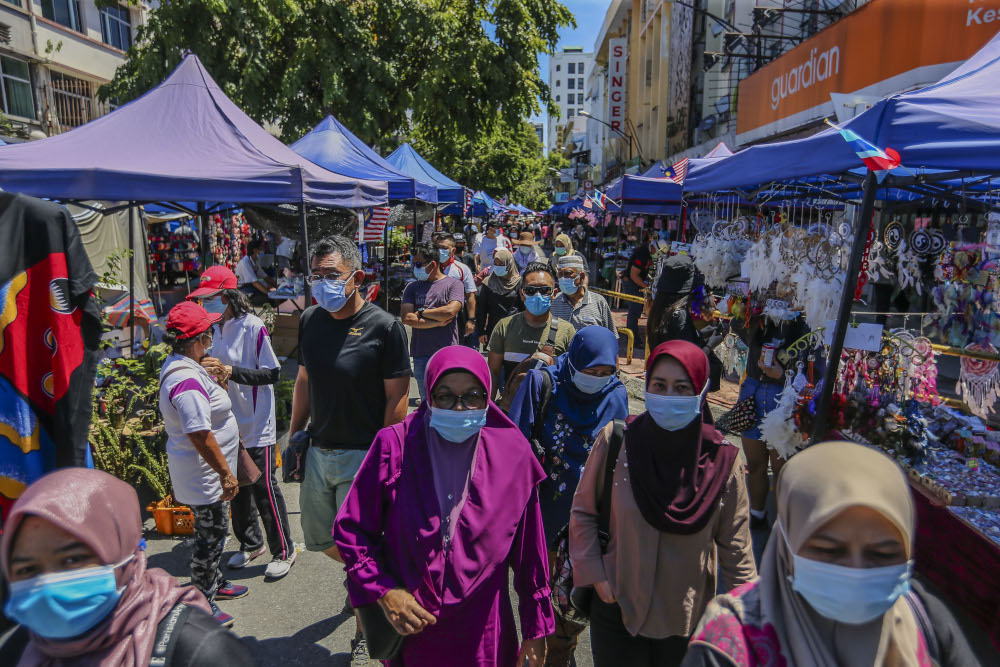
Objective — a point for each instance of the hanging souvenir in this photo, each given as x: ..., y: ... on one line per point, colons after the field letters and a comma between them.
x: 921, y: 242
x: 979, y: 382
x: 893, y: 235
x: 777, y: 428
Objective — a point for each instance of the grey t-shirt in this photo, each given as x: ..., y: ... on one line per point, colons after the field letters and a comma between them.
x: 424, y: 294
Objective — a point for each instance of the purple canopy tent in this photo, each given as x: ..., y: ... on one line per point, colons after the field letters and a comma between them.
x: 183, y: 141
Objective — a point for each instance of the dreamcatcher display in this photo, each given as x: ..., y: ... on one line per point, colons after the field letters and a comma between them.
x: 719, y: 253
x: 733, y: 354
x: 964, y: 314
x: 979, y: 382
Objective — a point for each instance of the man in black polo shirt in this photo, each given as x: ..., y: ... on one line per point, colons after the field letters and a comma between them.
x: 354, y: 379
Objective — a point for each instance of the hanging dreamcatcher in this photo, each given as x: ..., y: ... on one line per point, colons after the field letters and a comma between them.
x: 979, y: 382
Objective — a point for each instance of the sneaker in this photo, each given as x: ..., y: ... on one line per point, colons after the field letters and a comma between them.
x: 230, y: 591
x: 759, y: 523
x: 221, y: 617
x: 359, y: 651
x: 347, y: 608
x: 279, y: 567
x: 241, y: 559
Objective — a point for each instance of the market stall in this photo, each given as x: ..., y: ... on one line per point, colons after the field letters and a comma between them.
x: 923, y: 221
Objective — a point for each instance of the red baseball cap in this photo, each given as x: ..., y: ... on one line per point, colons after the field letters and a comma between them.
x: 190, y: 319
x: 214, y: 280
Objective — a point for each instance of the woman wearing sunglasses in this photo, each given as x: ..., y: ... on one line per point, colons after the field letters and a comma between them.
x: 442, y: 507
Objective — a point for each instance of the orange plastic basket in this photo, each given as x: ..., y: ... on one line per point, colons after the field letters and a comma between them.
x: 172, y: 519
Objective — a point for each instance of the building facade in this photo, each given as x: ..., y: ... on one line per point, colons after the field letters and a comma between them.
x: 54, y: 55
x: 568, y: 72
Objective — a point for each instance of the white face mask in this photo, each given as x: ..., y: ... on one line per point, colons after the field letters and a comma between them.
x: 674, y: 412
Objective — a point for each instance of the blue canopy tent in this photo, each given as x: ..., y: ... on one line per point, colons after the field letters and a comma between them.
x: 409, y: 162
x: 657, y: 169
x: 643, y: 194
x: 948, y: 132
x: 334, y: 147
x: 184, y: 140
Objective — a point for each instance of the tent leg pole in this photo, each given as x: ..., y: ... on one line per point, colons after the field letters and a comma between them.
x: 416, y: 234
x: 131, y: 276
x: 304, y: 231
x: 385, y: 266
x: 846, y: 301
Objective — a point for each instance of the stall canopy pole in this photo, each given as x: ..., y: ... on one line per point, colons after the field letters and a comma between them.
x: 305, y: 251
x: 385, y: 266
x: 864, y: 223
x: 131, y: 275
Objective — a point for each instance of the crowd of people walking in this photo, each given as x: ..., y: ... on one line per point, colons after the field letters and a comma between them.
x: 523, y: 466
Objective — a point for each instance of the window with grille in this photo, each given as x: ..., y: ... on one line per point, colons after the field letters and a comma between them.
x: 571, y: 68
x: 569, y: 113
x: 116, y: 26
x: 579, y: 84
x: 63, y: 12
x: 571, y: 84
x: 15, y: 88
x: 579, y: 68
x: 73, y: 100
x: 570, y: 99
x: 558, y: 67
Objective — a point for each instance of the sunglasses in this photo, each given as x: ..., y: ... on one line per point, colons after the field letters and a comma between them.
x: 532, y: 290
x: 474, y: 400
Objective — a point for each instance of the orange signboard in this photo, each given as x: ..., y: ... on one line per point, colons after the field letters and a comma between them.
x: 882, y: 39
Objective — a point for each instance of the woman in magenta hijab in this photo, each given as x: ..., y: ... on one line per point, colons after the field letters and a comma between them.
x: 444, y: 505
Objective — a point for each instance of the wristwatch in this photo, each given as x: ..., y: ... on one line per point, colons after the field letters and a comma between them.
x: 420, y: 314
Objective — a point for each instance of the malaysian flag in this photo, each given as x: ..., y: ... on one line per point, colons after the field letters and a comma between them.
x: 375, y: 219
x: 677, y: 173
x: 467, y: 206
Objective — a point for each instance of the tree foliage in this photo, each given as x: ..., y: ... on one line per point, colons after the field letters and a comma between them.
x: 503, y: 159
x: 449, y: 66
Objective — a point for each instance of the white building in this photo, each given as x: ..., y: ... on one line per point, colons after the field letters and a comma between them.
x: 568, y: 73
x: 54, y: 55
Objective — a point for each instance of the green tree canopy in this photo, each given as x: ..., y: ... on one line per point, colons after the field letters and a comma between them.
x: 504, y: 159
x: 452, y: 66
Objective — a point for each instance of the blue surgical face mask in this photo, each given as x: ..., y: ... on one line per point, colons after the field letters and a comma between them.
x: 538, y: 304
x: 568, y: 285
x: 457, y: 425
x: 674, y: 412
x: 560, y: 250
x: 420, y: 273
x: 444, y: 254
x: 66, y: 604
x: 590, y: 384
x: 850, y: 595
x: 330, y: 294
x: 524, y: 250
x: 214, y: 305
x: 500, y: 270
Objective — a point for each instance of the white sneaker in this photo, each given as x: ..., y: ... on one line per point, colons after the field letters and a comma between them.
x: 278, y: 568
x: 241, y: 559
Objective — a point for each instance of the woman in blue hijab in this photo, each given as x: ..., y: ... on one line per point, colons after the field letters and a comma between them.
x: 560, y: 409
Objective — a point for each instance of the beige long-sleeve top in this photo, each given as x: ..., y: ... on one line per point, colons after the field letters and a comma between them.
x: 662, y: 581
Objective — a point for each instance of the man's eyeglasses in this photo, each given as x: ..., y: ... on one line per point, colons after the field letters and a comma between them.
x: 532, y: 290
x: 330, y: 278
x: 474, y: 400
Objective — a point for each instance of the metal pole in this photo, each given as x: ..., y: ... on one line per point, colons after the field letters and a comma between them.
x: 385, y: 266
x: 846, y: 301
x: 131, y: 276
x: 304, y: 231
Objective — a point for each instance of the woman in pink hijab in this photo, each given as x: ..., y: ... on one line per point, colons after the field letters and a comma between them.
x: 74, y: 557
x: 443, y: 507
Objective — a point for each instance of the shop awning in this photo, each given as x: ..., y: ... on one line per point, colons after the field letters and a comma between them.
x: 952, y: 125
x: 334, y: 147
x: 644, y: 194
x: 184, y: 140
x: 409, y: 161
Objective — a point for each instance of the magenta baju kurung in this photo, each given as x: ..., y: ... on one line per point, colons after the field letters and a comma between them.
x: 389, y: 532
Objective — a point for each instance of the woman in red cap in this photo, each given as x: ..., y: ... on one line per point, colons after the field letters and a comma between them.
x: 202, y: 442
x: 242, y: 352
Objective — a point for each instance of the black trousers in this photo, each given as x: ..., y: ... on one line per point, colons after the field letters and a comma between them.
x: 634, y: 311
x: 262, y: 498
x: 612, y: 645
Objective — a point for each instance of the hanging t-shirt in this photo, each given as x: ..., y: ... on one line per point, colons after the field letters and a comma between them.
x: 244, y: 342
x: 191, y: 401
x: 50, y: 329
x: 348, y: 361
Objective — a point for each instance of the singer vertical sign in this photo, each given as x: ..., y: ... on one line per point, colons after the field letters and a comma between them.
x: 617, y: 55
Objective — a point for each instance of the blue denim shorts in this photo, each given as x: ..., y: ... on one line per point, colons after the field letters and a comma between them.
x: 766, y: 395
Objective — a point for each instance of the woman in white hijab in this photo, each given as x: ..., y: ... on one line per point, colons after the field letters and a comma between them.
x: 835, y: 582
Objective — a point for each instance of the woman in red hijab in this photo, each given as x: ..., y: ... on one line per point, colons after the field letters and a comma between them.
x: 75, y: 560
x: 679, y: 512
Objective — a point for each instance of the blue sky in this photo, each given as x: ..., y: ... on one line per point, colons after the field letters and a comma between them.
x: 589, y: 19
